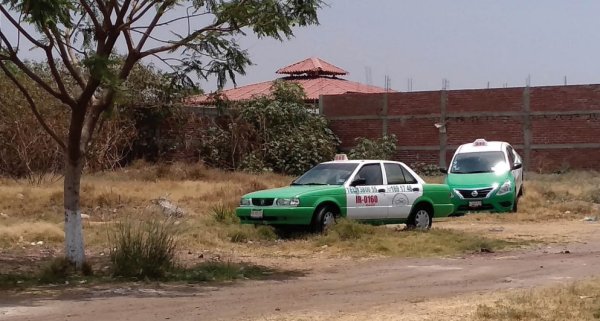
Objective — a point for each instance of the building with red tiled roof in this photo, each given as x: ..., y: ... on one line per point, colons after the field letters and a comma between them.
x: 315, y: 75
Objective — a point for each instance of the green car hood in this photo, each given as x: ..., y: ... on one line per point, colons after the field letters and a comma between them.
x: 476, y: 180
x: 294, y: 191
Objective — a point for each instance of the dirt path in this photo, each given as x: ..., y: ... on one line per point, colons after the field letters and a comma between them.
x: 332, y: 293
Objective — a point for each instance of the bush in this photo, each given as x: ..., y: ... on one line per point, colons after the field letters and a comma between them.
x: 221, y: 271
x: 224, y: 214
x: 244, y: 234
x: 381, y: 148
x: 425, y: 169
x: 143, y: 249
x: 60, y: 269
x: 277, y: 133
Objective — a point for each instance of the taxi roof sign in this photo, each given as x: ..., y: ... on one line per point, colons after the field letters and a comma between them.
x: 480, y: 142
x: 341, y: 157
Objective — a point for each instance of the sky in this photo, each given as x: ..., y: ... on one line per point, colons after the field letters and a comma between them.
x: 468, y: 42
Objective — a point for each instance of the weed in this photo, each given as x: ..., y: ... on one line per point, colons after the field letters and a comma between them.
x: 59, y: 270
x: 576, y: 301
x: 220, y: 271
x: 239, y: 236
x: 244, y: 234
x: 266, y: 233
x: 143, y: 249
x: 351, y: 230
x: 224, y: 214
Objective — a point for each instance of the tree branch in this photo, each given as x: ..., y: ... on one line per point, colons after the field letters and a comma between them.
x: 159, y: 13
x: 53, y: 69
x: 105, y: 12
x: 142, y: 12
x: 15, y: 59
x: 186, y: 40
x: 69, y: 60
x: 90, y: 12
x: 32, y: 106
x: 21, y: 30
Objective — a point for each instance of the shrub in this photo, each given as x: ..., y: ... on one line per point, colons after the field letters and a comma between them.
x: 381, y: 148
x: 60, y: 269
x: 239, y: 236
x: 224, y: 214
x: 277, y: 133
x: 221, y: 271
x: 425, y: 169
x: 266, y: 233
x: 143, y: 249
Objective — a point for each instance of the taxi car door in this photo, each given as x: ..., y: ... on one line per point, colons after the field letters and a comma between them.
x: 365, y: 198
x: 402, y: 190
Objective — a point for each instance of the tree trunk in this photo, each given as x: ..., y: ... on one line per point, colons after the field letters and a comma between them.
x: 74, y: 250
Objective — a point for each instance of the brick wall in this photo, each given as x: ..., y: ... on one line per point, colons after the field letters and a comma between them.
x: 553, y: 128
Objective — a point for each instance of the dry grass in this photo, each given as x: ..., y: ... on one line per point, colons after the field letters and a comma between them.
x: 34, y: 212
x: 209, y: 197
x: 578, y: 301
x: 27, y: 232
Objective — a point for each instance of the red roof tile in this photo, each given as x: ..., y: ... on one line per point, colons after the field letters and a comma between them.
x: 313, y: 66
x: 313, y: 86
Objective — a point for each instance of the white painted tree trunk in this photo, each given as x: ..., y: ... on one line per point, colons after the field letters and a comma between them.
x: 74, y: 249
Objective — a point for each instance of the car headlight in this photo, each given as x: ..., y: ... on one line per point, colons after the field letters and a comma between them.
x: 245, y: 202
x: 287, y: 202
x: 505, y: 188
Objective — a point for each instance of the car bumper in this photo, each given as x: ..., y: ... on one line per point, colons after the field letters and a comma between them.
x: 503, y: 203
x: 276, y: 215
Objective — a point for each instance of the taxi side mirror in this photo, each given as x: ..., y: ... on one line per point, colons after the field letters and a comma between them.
x: 358, y: 181
x: 517, y: 166
x: 443, y: 170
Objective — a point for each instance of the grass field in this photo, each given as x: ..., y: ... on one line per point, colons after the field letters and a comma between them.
x: 31, y: 232
x: 576, y: 301
x: 32, y: 214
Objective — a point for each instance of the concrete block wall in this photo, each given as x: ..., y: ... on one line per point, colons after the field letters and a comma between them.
x: 553, y: 128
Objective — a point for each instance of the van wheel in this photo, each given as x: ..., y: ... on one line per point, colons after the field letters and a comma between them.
x: 323, y: 219
x: 521, y: 191
x: 421, y: 218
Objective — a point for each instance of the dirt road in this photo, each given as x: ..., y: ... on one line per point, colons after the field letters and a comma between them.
x: 325, y: 293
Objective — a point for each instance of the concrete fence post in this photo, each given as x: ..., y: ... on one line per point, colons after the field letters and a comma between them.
x: 526, y: 129
x: 384, y: 115
x: 442, y: 127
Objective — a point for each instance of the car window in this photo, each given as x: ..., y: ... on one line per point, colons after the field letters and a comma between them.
x: 478, y: 162
x: 371, y: 173
x: 408, y: 176
x: 327, y: 174
x: 394, y: 174
x: 518, y: 159
x: 511, y: 155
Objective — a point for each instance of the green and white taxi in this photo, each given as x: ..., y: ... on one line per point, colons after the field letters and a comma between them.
x: 374, y: 191
x: 485, y: 176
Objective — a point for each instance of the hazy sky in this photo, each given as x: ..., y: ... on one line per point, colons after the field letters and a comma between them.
x: 468, y: 42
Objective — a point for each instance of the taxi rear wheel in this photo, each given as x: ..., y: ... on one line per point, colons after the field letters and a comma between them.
x: 420, y: 218
x: 323, y: 219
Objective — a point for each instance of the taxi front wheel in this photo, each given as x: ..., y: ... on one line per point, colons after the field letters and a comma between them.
x: 323, y: 219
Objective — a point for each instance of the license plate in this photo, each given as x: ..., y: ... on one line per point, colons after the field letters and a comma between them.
x: 256, y: 213
x: 475, y: 204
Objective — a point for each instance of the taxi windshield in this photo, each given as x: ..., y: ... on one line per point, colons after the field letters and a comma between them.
x: 327, y: 174
x: 479, y: 162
